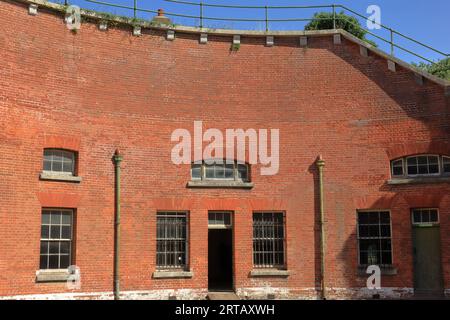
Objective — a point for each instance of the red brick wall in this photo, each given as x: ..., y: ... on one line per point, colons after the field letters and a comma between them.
x: 95, y: 91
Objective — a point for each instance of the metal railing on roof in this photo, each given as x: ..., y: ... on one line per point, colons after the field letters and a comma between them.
x: 201, y: 17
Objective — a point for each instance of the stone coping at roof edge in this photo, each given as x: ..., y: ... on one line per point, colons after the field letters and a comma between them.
x: 92, y: 15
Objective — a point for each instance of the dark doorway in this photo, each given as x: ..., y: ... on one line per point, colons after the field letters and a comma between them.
x: 220, y: 260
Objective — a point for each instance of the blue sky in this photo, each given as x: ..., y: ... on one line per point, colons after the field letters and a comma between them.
x: 426, y: 21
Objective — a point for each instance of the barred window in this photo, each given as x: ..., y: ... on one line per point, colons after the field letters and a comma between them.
x: 59, y: 161
x: 220, y: 170
x: 171, y: 238
x: 268, y: 240
x: 56, y: 239
x: 374, y: 238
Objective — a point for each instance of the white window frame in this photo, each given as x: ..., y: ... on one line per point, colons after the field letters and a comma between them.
x: 443, y: 160
x: 358, y: 238
x: 221, y: 225
x: 64, y: 151
x: 425, y: 224
x: 441, y: 173
x: 403, y: 168
x: 221, y: 162
x: 427, y: 174
x: 72, y: 213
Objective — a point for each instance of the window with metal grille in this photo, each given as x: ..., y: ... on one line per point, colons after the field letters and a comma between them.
x: 374, y: 238
x: 59, y: 161
x: 220, y: 170
x: 425, y: 216
x: 268, y: 240
x: 56, y: 239
x: 171, y: 238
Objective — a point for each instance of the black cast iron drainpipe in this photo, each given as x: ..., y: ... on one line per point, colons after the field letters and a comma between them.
x: 117, y: 159
x: 320, y: 163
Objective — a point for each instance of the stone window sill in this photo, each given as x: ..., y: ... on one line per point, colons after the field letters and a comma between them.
x: 269, y: 273
x: 219, y: 184
x: 59, y: 177
x: 385, y: 271
x: 172, y: 274
x: 52, y: 275
x: 421, y: 180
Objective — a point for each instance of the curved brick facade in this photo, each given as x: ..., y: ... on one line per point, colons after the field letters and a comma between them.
x: 94, y: 91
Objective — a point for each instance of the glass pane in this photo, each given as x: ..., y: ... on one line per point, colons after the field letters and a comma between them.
x: 48, y: 155
x: 385, y: 217
x: 397, y: 171
x: 412, y: 161
x: 434, y: 216
x: 64, y: 261
x: 55, y: 217
x: 54, y: 247
x: 425, y: 216
x: 363, y: 231
x: 57, y: 166
x: 229, y: 171
x: 374, y: 218
x: 363, y: 217
x: 422, y: 160
x: 45, y: 218
x: 363, y: 257
x: 412, y: 170
x: 242, y: 172
x: 65, y: 247
x: 45, y: 232
x: 57, y: 156
x: 227, y: 219
x: 44, y: 247
x: 385, y: 230
x: 43, y: 262
x: 55, y: 232
x: 373, y: 257
x: 368, y: 245
x: 447, y: 168
x: 47, y: 165
x: 66, y: 232
x: 220, y: 171
x: 434, y: 168
x: 66, y: 218
x: 433, y: 160
x: 423, y: 169
x: 209, y: 171
x: 196, y: 171
x: 67, y: 167
x: 386, y: 245
x: 386, y: 257
x: 417, y: 216
x: 67, y: 156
